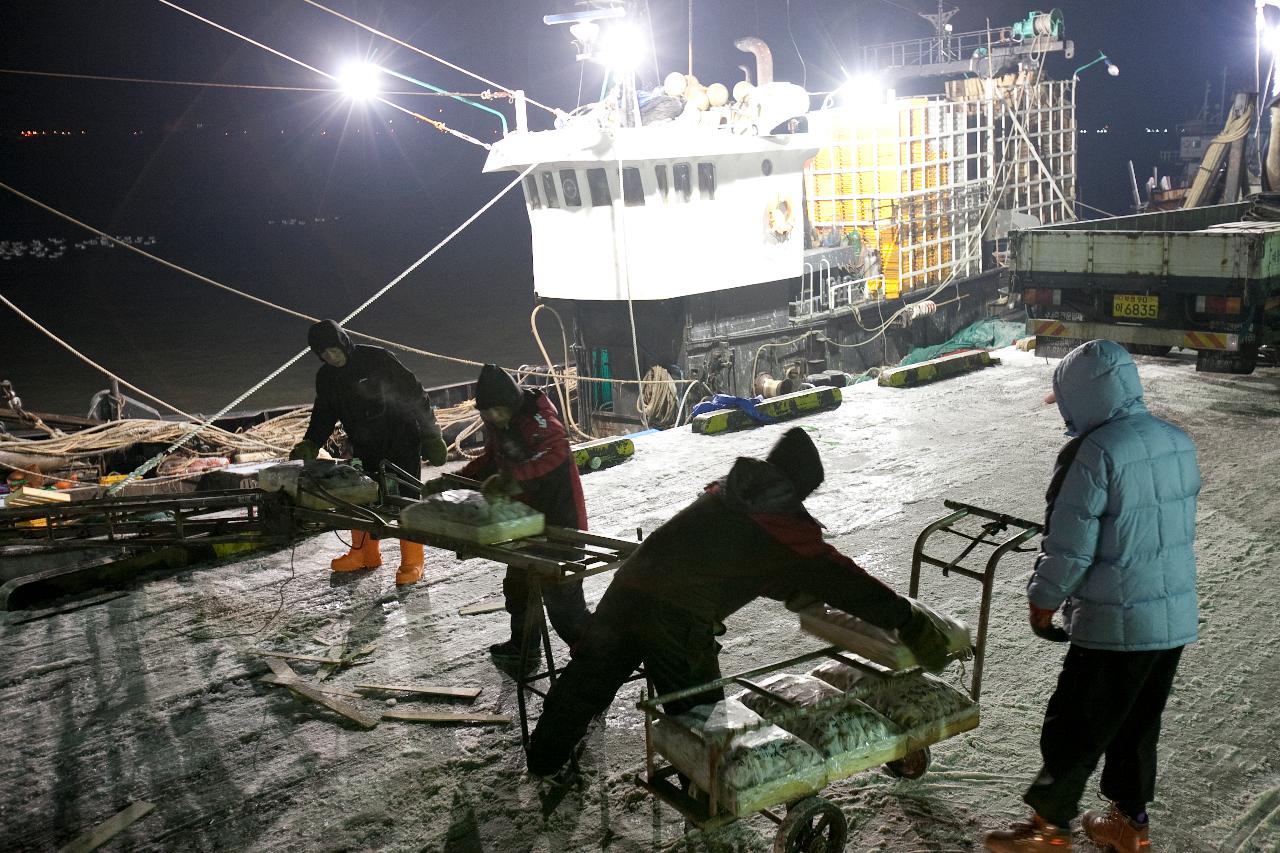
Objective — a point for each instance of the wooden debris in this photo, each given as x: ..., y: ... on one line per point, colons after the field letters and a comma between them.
x: 445, y: 717
x: 481, y: 608
x: 429, y: 689
x: 286, y: 681
x: 351, y: 712
x: 107, y: 830
x: 281, y: 668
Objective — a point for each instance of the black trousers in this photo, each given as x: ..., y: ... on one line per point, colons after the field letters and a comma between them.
x: 628, y: 629
x: 1107, y: 703
x: 566, y: 607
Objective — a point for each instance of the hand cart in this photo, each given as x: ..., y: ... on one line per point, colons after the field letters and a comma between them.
x: 810, y: 823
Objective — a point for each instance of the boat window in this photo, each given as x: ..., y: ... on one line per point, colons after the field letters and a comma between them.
x: 531, y: 191
x: 683, y: 180
x: 632, y: 188
x: 707, y: 180
x: 549, y: 188
x: 598, y: 183
x: 569, y: 184
x: 660, y: 172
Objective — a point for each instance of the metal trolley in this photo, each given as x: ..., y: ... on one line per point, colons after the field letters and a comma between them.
x: 808, y: 823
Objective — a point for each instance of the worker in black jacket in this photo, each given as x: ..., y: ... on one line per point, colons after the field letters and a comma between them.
x: 385, y: 414
x: 747, y: 536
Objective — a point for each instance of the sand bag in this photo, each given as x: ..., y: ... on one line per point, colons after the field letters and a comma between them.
x: 876, y: 644
x: 757, y: 768
x: 917, y: 700
x: 468, y: 515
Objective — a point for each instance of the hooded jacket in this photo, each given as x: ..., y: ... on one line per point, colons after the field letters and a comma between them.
x: 748, y: 536
x: 377, y: 399
x: 1119, y: 545
x: 534, y: 449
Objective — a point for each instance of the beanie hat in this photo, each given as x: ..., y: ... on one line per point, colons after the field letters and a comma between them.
x: 796, y: 457
x: 496, y: 388
x: 325, y: 334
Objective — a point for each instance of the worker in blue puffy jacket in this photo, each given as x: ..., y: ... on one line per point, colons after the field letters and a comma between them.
x: 1118, y: 559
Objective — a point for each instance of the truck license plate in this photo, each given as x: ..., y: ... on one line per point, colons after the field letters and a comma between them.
x: 1132, y: 306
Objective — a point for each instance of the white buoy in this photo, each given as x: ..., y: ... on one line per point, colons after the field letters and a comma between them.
x: 717, y: 94
x: 742, y: 89
x: 673, y: 84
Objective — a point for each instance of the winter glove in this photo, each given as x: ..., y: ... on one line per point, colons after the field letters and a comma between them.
x: 925, y: 640
x: 1042, y: 625
x: 500, y: 485
x: 434, y: 450
x: 304, y: 450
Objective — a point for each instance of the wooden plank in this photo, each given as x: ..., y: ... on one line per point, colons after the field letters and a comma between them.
x: 291, y: 656
x: 107, y: 830
x: 281, y: 668
x: 934, y: 369
x: 444, y: 717
x: 430, y: 689
x: 286, y: 681
x: 351, y: 712
x: 482, y: 608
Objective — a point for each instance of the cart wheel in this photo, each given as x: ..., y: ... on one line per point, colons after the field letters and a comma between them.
x: 910, y: 766
x: 812, y: 825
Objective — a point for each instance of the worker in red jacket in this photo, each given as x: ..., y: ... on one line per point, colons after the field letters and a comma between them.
x: 526, y: 454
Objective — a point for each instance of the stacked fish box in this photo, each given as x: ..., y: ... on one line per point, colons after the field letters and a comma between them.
x: 311, y: 484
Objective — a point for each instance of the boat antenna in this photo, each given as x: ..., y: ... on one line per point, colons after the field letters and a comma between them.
x: 690, y: 38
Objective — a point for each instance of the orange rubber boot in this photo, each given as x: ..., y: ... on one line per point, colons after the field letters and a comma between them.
x: 411, y: 562
x: 1113, y: 830
x: 1034, y: 836
x: 364, y: 554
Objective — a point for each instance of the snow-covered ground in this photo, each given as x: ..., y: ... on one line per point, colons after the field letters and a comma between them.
x: 151, y: 697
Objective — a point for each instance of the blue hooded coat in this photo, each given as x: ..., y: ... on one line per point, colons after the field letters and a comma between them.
x: 1119, y: 543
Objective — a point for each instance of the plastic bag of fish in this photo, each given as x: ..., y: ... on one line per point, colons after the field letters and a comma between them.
x: 876, y: 644
x: 841, y: 728
x: 469, y: 515
x: 909, y: 701
x: 759, y: 764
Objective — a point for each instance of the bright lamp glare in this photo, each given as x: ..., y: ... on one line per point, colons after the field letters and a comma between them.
x: 1113, y: 69
x: 621, y: 48
x: 1271, y: 38
x: 359, y: 81
x: 864, y: 90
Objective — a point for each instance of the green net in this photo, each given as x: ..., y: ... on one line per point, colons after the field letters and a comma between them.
x: 984, y: 334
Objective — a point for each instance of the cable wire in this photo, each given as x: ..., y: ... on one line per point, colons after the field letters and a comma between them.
x: 212, y: 85
x: 419, y: 51
x: 438, y: 125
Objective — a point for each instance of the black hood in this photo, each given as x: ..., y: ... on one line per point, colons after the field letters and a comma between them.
x: 796, y: 457
x: 327, y: 334
x: 496, y: 388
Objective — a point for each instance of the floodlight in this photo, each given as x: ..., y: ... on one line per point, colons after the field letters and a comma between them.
x: 359, y: 80
x: 862, y: 90
x: 621, y: 48
x: 1271, y: 38
x: 1113, y: 69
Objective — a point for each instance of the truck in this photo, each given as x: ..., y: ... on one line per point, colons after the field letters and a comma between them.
x: 1205, y: 279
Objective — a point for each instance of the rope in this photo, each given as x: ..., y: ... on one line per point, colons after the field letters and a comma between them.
x: 438, y: 125
x: 272, y: 305
x: 563, y: 393
x: 258, y: 86
x: 659, y: 400
x: 155, y: 460
x: 422, y: 52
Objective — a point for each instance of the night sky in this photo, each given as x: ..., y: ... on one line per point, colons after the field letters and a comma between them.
x: 212, y: 173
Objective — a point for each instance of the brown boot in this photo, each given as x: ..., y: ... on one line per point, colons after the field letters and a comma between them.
x: 1035, y: 836
x: 411, y: 561
x: 1114, y: 830
x: 364, y: 554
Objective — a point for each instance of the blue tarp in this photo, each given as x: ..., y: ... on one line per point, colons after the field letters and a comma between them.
x: 728, y: 401
x: 984, y: 334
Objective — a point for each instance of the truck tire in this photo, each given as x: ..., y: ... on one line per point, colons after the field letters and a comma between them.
x: 1239, y: 363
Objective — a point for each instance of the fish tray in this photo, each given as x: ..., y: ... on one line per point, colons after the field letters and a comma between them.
x: 439, y: 514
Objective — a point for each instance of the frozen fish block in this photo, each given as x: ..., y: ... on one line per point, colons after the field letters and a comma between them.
x: 876, y: 644
x: 467, y: 515
x: 849, y: 734
x: 757, y: 768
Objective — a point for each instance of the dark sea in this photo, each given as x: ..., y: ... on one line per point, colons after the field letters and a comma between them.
x: 312, y: 221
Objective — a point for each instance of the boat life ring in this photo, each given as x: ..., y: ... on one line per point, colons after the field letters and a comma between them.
x: 781, y: 215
